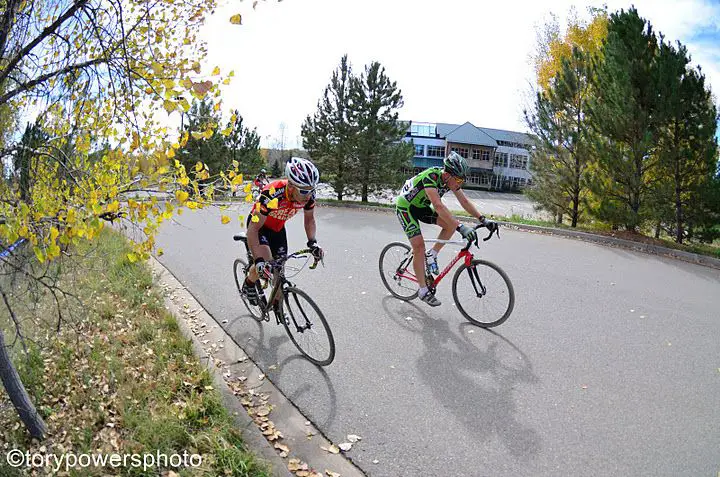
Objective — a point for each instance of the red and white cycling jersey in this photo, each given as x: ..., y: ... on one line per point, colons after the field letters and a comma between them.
x: 286, y: 208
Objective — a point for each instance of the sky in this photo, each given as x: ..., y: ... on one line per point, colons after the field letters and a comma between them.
x: 453, y: 60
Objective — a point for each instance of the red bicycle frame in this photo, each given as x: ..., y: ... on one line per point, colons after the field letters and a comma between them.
x: 461, y: 254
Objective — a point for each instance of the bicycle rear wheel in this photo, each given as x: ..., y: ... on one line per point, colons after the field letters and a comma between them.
x: 307, y: 328
x: 396, y: 269
x: 240, y: 270
x: 483, y: 293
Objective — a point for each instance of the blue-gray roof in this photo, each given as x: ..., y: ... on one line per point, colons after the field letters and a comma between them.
x: 509, y: 136
x: 469, y: 134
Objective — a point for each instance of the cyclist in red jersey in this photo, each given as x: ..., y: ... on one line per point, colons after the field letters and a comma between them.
x: 278, y: 202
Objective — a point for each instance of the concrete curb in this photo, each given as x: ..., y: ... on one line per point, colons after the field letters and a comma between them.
x: 231, y: 370
x: 650, y: 249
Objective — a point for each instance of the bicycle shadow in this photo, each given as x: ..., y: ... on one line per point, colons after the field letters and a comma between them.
x: 295, y: 378
x: 474, y: 381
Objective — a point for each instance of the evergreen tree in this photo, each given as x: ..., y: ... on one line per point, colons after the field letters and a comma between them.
x: 276, y: 171
x: 33, y: 138
x: 373, y: 114
x: 561, y: 157
x: 688, y: 150
x: 328, y: 134
x: 243, y: 145
x: 625, y: 115
x: 202, y: 146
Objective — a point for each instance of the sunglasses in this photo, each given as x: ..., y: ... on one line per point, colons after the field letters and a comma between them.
x: 304, y: 191
x: 459, y: 180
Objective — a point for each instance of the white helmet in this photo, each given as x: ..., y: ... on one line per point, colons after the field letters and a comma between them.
x: 301, y: 173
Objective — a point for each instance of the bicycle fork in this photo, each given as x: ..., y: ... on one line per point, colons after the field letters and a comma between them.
x: 476, y: 282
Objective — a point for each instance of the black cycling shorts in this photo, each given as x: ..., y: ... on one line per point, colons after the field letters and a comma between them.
x: 410, y: 216
x: 277, y: 241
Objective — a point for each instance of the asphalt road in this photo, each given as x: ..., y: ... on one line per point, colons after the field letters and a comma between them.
x: 609, y: 365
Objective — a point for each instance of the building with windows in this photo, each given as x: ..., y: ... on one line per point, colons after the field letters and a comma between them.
x: 498, y: 159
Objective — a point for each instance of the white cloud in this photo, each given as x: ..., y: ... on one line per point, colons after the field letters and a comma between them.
x: 454, y: 60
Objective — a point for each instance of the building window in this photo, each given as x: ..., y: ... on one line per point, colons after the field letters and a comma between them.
x: 486, y: 155
x: 501, y: 159
x: 419, y: 150
x: 436, y: 151
x: 476, y: 154
x: 427, y: 130
x: 463, y: 151
x: 518, y: 161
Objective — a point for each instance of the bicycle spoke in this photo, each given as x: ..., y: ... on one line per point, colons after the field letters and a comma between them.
x: 307, y: 328
x: 483, y: 293
x: 396, y: 271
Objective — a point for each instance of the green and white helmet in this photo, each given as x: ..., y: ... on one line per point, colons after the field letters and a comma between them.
x: 456, y: 165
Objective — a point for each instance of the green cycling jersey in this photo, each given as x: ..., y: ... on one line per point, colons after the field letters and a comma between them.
x: 413, y: 192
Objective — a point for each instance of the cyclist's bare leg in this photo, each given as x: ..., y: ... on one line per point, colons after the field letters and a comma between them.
x: 418, y: 246
x: 448, y: 229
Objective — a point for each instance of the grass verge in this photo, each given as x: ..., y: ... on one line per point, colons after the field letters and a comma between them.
x: 121, y: 378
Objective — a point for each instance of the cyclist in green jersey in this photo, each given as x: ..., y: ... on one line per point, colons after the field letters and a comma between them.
x: 420, y: 200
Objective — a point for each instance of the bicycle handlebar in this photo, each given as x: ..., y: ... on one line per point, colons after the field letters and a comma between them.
x: 495, y: 231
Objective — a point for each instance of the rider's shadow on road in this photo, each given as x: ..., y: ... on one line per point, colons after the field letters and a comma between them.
x: 473, y: 380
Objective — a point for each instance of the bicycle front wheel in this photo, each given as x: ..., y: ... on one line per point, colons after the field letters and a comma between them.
x: 240, y: 270
x: 396, y: 271
x: 307, y: 328
x: 483, y: 293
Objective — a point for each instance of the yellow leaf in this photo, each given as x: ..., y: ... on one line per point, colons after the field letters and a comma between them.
x: 171, y: 153
x: 160, y: 252
x: 135, y: 141
x: 184, y: 139
x: 132, y: 257
x: 148, y: 90
x: 184, y: 104
x: 197, y: 135
x: 169, y: 106
x: 208, y: 133
x: 39, y: 254
x: 181, y: 196
x: 226, y: 81
x: 53, y: 234
x: 273, y: 204
x: 157, y: 68
x: 184, y: 181
x: 248, y: 198
x: 113, y: 207
x: 232, y: 73
x: 199, y: 166
x: 225, y: 219
x: 236, y: 19
x: 248, y: 186
x: 226, y: 132
x: 255, y: 219
x: 191, y: 205
x: 237, y: 180
x: 217, y: 107
x: 216, y: 71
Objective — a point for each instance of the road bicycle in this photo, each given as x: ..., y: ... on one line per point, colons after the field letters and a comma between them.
x: 481, y: 290
x: 304, y: 323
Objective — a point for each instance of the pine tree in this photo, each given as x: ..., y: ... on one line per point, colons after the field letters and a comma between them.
x: 687, y: 152
x: 563, y: 153
x: 625, y: 116
x: 373, y: 114
x: 328, y: 134
x: 243, y: 145
x: 276, y: 169
x: 212, y: 151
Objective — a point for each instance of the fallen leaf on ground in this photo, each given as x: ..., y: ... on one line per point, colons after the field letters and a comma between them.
x: 332, y: 449
x: 330, y: 473
x: 345, y: 446
x: 353, y: 438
